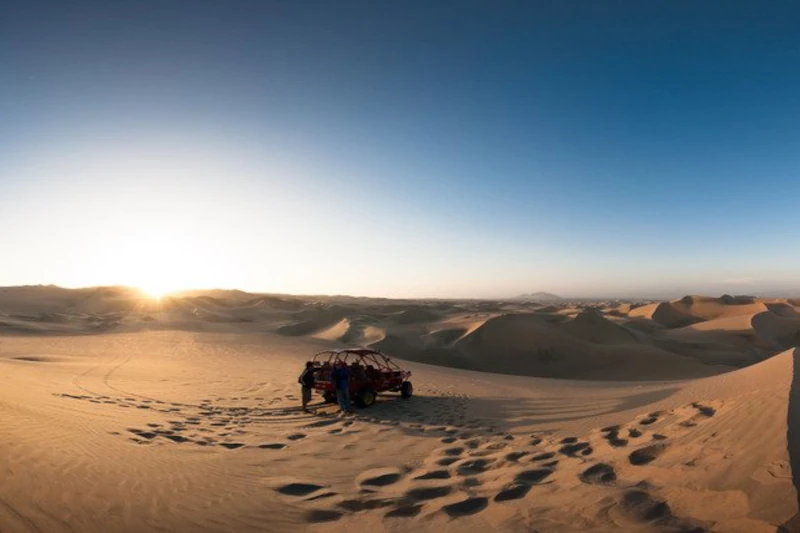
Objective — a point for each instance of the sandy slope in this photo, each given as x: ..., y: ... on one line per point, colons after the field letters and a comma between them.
x: 690, y: 337
x: 186, y: 431
x: 119, y: 413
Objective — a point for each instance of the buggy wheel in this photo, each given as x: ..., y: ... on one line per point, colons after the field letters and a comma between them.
x: 406, y: 389
x: 366, y: 397
x: 329, y: 397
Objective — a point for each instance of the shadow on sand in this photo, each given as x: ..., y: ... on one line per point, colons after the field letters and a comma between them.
x: 793, y: 439
x: 496, y: 415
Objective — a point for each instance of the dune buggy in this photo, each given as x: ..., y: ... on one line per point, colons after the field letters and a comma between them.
x: 371, y: 372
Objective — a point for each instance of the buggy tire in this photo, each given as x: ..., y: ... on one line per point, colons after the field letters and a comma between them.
x: 366, y: 397
x: 329, y: 397
x: 406, y: 389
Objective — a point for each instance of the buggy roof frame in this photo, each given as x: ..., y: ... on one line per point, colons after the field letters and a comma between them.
x: 380, y: 359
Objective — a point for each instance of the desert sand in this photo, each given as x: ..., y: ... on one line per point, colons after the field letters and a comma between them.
x: 123, y: 413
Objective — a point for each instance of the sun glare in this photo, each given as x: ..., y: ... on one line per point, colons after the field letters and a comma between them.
x: 155, y: 291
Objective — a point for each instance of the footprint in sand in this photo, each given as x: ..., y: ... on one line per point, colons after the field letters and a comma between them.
x: 428, y: 493
x: 599, y: 474
x: 577, y: 449
x: 645, y: 508
x: 232, y: 445
x: 434, y: 474
x: 142, y: 433
x: 469, y: 482
x: 704, y: 410
x: 453, y: 451
x: 613, y: 438
x: 404, y: 511
x: 298, y: 489
x: 382, y: 479
x: 543, y: 456
x: 296, y: 436
x: 272, y: 446
x: 447, y: 461
x: 652, y: 418
x: 466, y: 507
x: 647, y: 454
x: 513, y: 491
x: 522, y: 484
x: 533, y: 477
x: 176, y: 438
x: 515, y: 456
x: 322, y: 515
x: 471, y: 467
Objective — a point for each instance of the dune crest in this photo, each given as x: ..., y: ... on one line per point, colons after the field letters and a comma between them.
x: 689, y: 337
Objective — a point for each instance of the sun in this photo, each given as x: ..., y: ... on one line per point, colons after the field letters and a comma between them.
x: 157, y: 286
x: 156, y: 291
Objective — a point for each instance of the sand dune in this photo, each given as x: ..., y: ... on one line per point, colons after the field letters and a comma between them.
x: 780, y: 331
x: 182, y: 415
x: 525, y: 344
x: 783, y: 309
x: 596, y: 340
x: 666, y: 314
x: 413, y: 316
x: 707, y: 308
x: 591, y: 326
x: 182, y: 431
x: 351, y: 333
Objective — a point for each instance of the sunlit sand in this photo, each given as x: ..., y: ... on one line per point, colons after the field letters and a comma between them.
x: 124, y: 412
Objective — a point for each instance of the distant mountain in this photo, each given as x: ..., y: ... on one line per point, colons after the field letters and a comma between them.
x: 540, y: 297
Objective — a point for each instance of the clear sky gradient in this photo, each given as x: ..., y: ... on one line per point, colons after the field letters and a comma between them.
x: 464, y: 149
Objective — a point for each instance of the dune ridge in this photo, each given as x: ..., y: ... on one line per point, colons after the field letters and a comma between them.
x: 695, y: 335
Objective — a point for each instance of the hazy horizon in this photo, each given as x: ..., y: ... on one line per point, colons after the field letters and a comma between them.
x: 464, y: 150
x: 774, y: 293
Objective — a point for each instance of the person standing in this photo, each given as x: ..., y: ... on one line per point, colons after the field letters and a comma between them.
x: 340, y: 377
x: 306, y: 380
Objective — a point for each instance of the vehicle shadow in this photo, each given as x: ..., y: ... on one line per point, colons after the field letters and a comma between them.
x: 433, y: 414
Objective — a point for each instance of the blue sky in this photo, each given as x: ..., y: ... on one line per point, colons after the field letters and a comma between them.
x: 401, y: 149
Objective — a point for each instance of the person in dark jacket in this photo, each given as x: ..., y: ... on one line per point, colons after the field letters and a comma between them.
x: 340, y: 378
x: 306, y: 380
